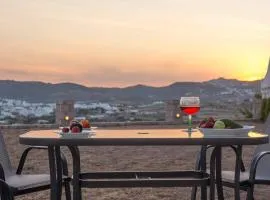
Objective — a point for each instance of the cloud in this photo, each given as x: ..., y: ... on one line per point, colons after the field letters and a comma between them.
x: 101, y: 76
x: 115, y: 76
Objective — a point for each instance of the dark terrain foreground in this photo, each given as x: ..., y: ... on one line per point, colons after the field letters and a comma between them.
x: 128, y: 158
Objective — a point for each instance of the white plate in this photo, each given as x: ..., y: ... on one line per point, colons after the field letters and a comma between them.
x: 83, y: 134
x: 72, y: 135
x: 227, y: 132
x: 90, y: 129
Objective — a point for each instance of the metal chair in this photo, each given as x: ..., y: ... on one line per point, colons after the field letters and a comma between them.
x: 258, y: 173
x: 14, y: 183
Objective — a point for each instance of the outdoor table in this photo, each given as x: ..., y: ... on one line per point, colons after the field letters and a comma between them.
x: 140, y: 137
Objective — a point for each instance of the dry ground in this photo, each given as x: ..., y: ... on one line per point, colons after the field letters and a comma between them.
x: 128, y: 158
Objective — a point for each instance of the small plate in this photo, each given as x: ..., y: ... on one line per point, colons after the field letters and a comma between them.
x: 90, y: 129
x: 83, y: 134
x: 227, y: 132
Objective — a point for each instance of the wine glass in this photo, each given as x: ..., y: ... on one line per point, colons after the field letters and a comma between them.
x: 190, y: 106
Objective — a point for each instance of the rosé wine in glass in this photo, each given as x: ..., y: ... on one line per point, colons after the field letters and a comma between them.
x: 190, y: 106
x: 190, y: 110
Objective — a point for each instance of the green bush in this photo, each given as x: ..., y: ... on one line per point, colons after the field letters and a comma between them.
x: 265, y: 109
x: 258, y: 96
x: 247, y: 113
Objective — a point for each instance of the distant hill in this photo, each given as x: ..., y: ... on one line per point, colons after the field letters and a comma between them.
x: 213, y: 90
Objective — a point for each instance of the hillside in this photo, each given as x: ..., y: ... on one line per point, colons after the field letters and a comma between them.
x: 213, y: 90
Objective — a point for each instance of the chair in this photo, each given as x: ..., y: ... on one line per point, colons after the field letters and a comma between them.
x: 14, y: 183
x: 258, y: 173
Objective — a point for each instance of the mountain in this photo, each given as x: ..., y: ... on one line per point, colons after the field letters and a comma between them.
x: 213, y: 90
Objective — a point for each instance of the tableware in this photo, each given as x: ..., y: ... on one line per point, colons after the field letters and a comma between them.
x: 190, y: 106
x: 227, y: 132
x: 83, y: 134
x: 91, y: 128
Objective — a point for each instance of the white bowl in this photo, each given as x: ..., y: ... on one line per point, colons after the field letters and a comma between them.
x: 227, y: 132
x: 90, y: 129
x: 83, y: 134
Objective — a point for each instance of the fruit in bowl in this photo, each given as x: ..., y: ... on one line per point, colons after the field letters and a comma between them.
x: 230, y: 124
x: 207, y: 123
x: 65, y: 130
x: 75, y: 127
x: 219, y: 124
x: 85, y: 123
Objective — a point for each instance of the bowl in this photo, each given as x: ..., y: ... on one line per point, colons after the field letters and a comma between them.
x: 227, y: 132
x: 83, y: 134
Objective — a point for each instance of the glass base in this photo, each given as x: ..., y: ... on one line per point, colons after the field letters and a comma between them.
x: 190, y: 130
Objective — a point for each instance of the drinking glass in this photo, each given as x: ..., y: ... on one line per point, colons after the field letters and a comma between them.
x: 190, y: 106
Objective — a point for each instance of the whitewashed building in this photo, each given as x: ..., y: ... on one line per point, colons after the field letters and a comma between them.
x: 172, y: 111
x: 265, y: 84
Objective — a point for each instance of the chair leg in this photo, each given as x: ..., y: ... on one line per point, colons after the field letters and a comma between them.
x: 194, y: 193
x: 5, y: 191
x: 250, y: 192
x: 67, y: 190
x: 7, y: 196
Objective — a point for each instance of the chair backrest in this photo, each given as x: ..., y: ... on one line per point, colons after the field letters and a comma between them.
x: 4, y: 158
x: 263, y: 168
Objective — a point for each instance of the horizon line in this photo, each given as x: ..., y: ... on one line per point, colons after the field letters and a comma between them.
x: 138, y: 84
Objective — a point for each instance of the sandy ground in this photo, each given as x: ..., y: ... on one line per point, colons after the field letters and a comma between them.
x: 128, y: 158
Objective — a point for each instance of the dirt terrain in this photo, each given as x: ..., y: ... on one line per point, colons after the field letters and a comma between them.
x: 128, y: 158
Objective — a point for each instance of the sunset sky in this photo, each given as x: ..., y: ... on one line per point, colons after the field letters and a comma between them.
x: 126, y: 42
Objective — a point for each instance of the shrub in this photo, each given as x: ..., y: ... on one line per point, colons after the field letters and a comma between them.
x: 265, y: 109
x: 258, y: 96
x: 247, y: 113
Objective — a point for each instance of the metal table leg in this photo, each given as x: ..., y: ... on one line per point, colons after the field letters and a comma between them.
x: 216, y: 162
x: 59, y: 169
x: 218, y: 173
x: 203, y: 168
x: 237, y: 172
x: 53, y: 177
x: 200, y: 165
x: 212, y: 174
x: 76, y: 172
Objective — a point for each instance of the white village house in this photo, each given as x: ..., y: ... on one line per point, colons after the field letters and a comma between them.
x: 264, y: 89
x: 265, y: 84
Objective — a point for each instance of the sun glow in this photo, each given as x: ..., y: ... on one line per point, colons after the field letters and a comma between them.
x: 252, y: 68
x: 121, y: 43
x: 253, y: 78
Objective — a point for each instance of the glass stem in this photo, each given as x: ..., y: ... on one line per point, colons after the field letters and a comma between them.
x: 189, y: 122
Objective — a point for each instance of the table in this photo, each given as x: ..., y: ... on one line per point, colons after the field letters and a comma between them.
x: 137, y: 137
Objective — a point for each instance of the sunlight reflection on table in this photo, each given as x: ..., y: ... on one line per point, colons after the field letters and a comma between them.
x: 255, y: 134
x: 196, y: 135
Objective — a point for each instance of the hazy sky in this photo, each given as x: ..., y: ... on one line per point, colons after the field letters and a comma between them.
x: 126, y: 42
